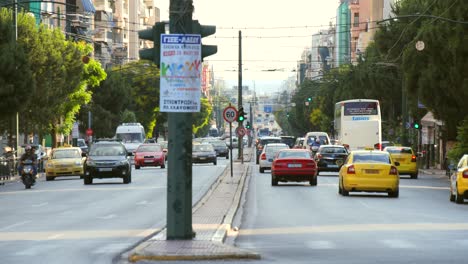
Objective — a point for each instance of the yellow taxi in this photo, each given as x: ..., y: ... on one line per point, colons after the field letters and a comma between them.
x: 65, y: 161
x: 459, y: 181
x: 369, y: 171
x: 407, y: 159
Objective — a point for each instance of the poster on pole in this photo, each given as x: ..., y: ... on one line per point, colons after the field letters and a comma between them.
x: 180, y: 72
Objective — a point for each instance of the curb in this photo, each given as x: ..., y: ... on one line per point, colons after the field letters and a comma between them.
x: 222, y: 231
x: 210, y: 249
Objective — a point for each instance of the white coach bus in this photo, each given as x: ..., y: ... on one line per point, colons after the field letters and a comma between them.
x: 358, y: 123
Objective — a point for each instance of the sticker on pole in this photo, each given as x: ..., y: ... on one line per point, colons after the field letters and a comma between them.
x: 180, y: 73
x: 230, y: 114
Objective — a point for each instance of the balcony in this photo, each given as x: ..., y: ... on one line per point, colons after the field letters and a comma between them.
x: 79, y: 20
x: 103, y: 5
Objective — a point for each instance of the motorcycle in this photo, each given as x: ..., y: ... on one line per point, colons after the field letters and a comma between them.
x: 28, y: 176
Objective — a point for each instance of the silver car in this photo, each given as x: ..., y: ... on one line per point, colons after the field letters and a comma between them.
x: 268, y: 154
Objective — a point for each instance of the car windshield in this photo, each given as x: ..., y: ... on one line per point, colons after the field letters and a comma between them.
x: 203, y: 147
x: 274, y: 149
x: 371, y: 158
x: 66, y: 154
x: 332, y: 150
x: 312, y: 139
x: 130, y: 137
x: 399, y: 150
x: 111, y: 150
x: 218, y: 143
x: 270, y: 140
x: 294, y: 154
x: 149, y: 148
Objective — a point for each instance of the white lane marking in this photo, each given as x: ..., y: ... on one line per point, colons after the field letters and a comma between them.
x: 111, y: 248
x: 14, y: 225
x: 55, y: 236
x: 144, y: 202
x: 398, y: 243
x: 40, y: 205
x: 320, y: 244
x: 107, y: 217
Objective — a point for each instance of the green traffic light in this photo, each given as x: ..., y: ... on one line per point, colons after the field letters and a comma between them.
x: 416, y: 125
x: 309, y: 99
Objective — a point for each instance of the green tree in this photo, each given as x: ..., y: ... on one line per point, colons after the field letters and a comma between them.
x: 16, y: 76
x: 435, y: 76
x: 201, y: 120
x: 461, y: 147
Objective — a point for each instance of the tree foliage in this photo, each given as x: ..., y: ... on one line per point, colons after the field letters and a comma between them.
x: 51, y: 82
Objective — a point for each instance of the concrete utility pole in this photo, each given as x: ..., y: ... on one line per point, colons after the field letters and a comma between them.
x: 179, y: 176
x: 239, y: 99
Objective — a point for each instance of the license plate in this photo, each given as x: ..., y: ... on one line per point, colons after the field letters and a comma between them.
x: 148, y: 161
x: 294, y: 165
x: 371, y: 171
x: 400, y: 159
x: 332, y: 166
x: 270, y: 160
x: 203, y: 158
x: 105, y: 169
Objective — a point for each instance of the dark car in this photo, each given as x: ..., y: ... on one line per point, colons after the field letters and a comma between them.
x: 288, y: 140
x: 220, y: 147
x: 107, y: 159
x: 203, y: 153
x: 330, y: 157
x: 261, y: 142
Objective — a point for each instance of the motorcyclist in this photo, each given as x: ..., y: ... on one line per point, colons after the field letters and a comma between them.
x: 29, y: 154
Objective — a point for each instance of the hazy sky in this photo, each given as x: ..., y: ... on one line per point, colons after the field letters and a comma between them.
x: 274, y: 34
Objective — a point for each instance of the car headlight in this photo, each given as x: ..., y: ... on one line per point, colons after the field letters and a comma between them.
x: 90, y: 162
x: 123, y: 162
x: 77, y: 163
x: 50, y: 165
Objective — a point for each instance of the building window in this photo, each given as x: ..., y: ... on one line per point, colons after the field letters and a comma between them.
x: 356, y: 20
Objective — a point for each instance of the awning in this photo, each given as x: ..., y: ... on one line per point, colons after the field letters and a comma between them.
x: 429, y: 120
x: 88, y: 6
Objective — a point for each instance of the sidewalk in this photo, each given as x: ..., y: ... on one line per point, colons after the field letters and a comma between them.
x: 211, y: 220
x: 437, y: 172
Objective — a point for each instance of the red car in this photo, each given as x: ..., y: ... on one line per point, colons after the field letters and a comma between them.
x: 150, y: 155
x: 294, y: 165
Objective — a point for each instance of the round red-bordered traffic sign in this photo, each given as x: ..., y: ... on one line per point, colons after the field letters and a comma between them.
x: 230, y: 114
x: 240, y: 131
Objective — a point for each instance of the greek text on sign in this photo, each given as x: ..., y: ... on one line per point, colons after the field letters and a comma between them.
x: 180, y: 73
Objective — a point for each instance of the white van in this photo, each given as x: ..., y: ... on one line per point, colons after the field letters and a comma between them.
x: 310, y: 138
x: 131, y: 135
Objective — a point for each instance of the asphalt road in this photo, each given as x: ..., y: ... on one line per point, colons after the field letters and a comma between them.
x: 64, y: 221
x: 297, y: 223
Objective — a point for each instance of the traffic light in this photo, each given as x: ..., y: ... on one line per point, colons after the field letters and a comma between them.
x: 204, y: 31
x: 240, y: 115
x: 309, y: 99
x: 287, y: 114
x: 153, y: 34
x: 416, y: 125
x: 247, y: 125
